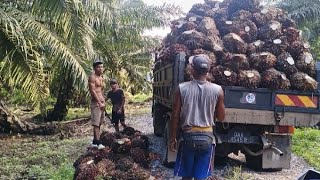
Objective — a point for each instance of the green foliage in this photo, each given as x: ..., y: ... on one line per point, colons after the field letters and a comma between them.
x: 65, y: 171
x: 306, y: 143
x: 40, y: 39
x: 44, y: 159
x: 76, y: 113
x: 140, y: 98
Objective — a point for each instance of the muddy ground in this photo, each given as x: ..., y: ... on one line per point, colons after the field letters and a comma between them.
x: 235, y: 165
x: 233, y: 168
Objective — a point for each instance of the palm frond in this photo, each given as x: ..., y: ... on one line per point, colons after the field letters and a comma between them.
x: 55, y: 48
x: 22, y: 66
x: 69, y: 19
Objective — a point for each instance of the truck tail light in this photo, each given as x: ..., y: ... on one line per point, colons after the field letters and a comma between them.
x: 285, y: 129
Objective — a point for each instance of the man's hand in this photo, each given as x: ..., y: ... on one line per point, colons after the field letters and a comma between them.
x: 101, y: 105
x: 119, y: 111
x: 173, y: 145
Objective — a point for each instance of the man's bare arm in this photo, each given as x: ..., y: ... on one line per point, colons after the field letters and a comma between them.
x: 92, y: 89
x: 175, y: 116
x: 220, y: 108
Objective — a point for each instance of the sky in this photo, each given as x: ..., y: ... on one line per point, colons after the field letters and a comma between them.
x: 184, y: 4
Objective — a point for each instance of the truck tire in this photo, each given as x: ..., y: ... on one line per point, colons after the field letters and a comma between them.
x: 158, y: 119
x: 254, y: 162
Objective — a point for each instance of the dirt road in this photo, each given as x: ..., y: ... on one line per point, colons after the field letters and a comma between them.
x: 235, y: 165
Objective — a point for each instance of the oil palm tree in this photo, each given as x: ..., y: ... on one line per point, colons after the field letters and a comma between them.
x: 51, y: 43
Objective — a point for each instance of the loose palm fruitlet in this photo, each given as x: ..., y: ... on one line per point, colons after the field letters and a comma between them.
x: 274, y: 80
x: 224, y: 76
x: 262, y: 61
x: 302, y: 81
x: 249, y: 79
x: 286, y: 64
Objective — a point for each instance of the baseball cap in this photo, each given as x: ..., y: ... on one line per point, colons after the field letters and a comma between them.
x: 199, y: 62
x: 113, y: 81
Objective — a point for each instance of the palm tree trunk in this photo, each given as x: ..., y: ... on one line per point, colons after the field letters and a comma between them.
x: 65, y: 94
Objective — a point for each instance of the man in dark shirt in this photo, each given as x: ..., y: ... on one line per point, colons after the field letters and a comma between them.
x: 117, y: 99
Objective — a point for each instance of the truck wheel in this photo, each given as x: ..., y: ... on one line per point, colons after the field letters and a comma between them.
x: 158, y: 120
x: 254, y: 162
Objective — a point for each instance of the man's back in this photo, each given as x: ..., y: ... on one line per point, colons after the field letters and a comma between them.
x: 199, y: 99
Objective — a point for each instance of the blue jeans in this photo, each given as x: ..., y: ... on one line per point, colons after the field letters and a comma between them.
x: 191, y: 163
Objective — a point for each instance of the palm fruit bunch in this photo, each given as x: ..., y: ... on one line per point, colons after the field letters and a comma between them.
x: 126, y: 156
x: 234, y: 43
x: 236, y: 62
x: 224, y: 76
x: 285, y: 63
x: 211, y: 55
x: 302, y: 81
x: 124, y: 164
x: 305, y: 63
x: 140, y: 141
x: 249, y: 79
x: 272, y: 29
x: 255, y: 47
x: 105, y: 166
x: 242, y: 37
x: 262, y: 61
x: 276, y: 46
x: 138, y: 173
x: 274, y: 80
x: 208, y: 27
x: 170, y: 52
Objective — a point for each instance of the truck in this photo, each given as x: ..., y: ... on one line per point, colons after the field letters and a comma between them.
x: 259, y: 122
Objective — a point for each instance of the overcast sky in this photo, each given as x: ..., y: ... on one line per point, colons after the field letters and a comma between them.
x: 184, y: 4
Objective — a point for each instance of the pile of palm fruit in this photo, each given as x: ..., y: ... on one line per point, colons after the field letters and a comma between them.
x: 249, y: 45
x: 126, y: 157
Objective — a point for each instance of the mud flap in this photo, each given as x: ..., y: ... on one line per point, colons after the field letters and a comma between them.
x: 272, y: 160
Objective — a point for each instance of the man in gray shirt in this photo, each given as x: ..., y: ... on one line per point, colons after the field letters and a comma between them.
x: 196, y: 105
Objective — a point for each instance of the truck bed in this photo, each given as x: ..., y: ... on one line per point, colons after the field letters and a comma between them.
x: 265, y: 99
x: 252, y: 106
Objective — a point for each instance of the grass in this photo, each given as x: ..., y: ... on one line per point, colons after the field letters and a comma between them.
x: 306, y: 143
x: 140, y: 98
x: 76, y: 113
x: 44, y: 159
x: 235, y: 173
